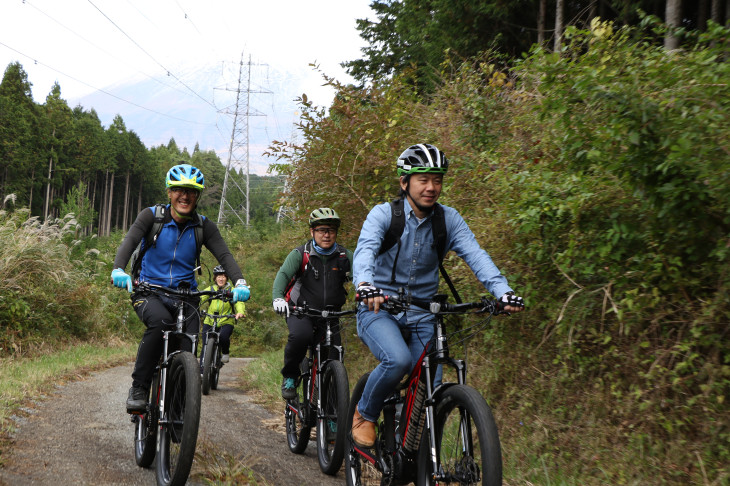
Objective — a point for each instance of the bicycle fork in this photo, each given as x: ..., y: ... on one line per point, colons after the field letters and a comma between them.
x: 167, y: 358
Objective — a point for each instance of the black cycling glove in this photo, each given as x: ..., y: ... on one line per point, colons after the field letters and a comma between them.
x: 366, y: 290
x: 511, y: 300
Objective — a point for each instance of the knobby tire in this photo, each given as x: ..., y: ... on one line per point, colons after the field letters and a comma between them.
x: 145, y: 428
x: 298, y: 425
x: 179, y: 435
x: 207, y: 364
x: 215, y: 370
x: 462, y: 417
x: 331, y: 429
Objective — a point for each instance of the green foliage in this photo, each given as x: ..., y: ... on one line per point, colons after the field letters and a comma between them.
x: 597, y: 180
x: 414, y: 39
x: 79, y: 205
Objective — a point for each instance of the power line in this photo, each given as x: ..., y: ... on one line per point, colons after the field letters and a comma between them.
x: 169, y: 73
x: 96, y: 46
x: 187, y: 17
x: 99, y: 89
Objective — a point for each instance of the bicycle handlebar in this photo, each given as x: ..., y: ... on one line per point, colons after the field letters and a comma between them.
x: 218, y: 316
x: 326, y: 313
x: 439, y: 306
x: 182, y: 292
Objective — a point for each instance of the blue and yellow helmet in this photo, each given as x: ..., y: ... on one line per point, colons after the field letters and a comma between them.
x: 185, y: 175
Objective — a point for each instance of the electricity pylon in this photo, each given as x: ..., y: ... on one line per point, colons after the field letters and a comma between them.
x: 238, y: 150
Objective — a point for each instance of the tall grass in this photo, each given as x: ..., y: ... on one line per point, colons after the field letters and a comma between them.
x: 53, y: 286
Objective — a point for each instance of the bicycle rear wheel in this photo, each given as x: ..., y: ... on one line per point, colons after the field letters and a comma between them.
x: 208, y: 358
x: 297, y: 415
x: 467, y: 441
x: 145, y: 427
x: 358, y: 470
x: 179, y: 424
x: 215, y: 369
x: 331, y: 427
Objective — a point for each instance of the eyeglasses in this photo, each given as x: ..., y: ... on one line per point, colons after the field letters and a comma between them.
x: 326, y: 231
x: 185, y: 190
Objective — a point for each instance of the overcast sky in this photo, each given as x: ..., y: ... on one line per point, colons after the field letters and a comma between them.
x: 91, y: 47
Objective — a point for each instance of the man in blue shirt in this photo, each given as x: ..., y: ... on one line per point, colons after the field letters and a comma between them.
x: 421, y: 169
x: 169, y: 261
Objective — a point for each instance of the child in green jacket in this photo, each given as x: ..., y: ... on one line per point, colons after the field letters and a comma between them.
x: 221, y: 307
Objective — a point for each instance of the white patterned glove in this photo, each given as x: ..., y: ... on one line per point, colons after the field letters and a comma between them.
x: 281, y: 307
x: 511, y: 300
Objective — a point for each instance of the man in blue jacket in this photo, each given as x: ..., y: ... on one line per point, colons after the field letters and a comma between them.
x: 170, y: 262
x: 413, y: 265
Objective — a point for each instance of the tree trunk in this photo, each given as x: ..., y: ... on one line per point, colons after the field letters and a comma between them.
x: 126, y: 203
x: 30, y: 196
x: 93, y: 202
x: 102, y: 205
x: 541, y: 22
x: 2, y: 186
x: 702, y: 16
x: 559, y: 10
x: 673, y: 18
x: 109, y: 205
x: 715, y: 12
x: 46, y: 204
x: 139, y: 196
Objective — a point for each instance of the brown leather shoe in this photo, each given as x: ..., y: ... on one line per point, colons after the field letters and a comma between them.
x: 363, y: 431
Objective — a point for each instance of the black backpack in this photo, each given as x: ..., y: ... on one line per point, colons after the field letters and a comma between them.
x: 151, y: 240
x: 438, y: 227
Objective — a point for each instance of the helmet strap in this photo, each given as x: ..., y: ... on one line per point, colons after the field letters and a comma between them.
x: 181, y: 216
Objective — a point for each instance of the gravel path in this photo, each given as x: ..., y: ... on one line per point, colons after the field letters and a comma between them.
x: 80, y: 434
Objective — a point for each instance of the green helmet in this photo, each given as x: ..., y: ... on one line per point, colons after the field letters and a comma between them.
x: 324, y: 216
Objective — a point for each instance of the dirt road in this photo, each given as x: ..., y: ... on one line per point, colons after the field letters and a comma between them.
x: 80, y: 434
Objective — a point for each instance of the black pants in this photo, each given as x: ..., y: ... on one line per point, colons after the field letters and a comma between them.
x: 158, y: 313
x: 303, y: 332
x: 224, y: 336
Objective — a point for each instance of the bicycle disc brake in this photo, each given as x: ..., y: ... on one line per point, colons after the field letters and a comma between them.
x: 467, y: 470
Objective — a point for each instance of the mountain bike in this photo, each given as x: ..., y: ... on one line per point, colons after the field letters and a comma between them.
x: 443, y: 434
x: 210, y: 360
x: 323, y: 392
x: 169, y: 425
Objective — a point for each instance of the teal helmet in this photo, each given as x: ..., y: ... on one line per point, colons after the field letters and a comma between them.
x: 185, y: 175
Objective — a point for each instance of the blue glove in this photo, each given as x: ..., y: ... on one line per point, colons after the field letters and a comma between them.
x: 241, y: 292
x: 121, y: 279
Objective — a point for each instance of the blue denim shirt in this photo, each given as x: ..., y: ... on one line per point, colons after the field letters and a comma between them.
x: 417, y: 271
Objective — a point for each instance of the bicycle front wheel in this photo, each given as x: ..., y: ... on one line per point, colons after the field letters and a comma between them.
x: 215, y: 369
x: 208, y: 358
x: 467, y: 442
x: 180, y: 420
x: 331, y: 425
x: 145, y: 427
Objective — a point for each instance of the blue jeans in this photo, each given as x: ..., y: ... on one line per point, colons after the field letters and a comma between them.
x: 381, y: 333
